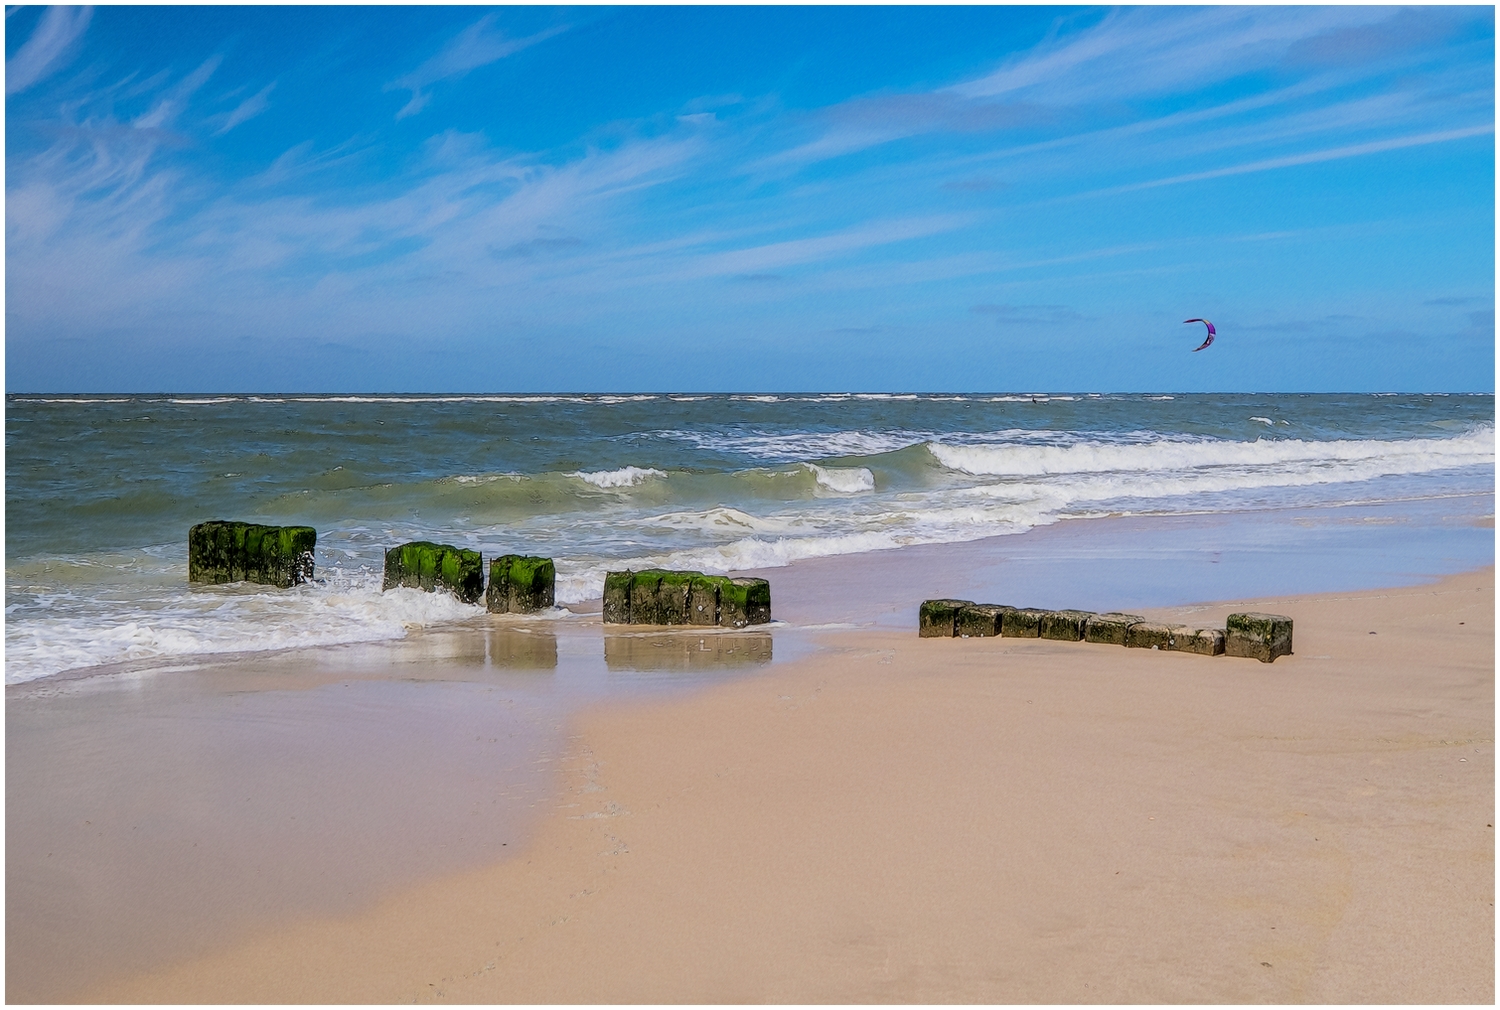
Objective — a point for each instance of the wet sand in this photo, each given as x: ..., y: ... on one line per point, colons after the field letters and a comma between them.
x: 159, y: 814
x: 983, y: 820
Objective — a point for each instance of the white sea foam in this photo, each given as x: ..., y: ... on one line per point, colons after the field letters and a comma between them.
x: 133, y: 606
x: 467, y: 398
x: 177, y: 622
x: 1416, y: 455
x: 627, y: 476
x: 731, y: 521
x: 800, y: 445
x: 843, y: 479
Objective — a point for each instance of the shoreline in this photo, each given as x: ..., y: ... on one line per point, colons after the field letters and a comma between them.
x: 1177, y: 556
x: 990, y: 820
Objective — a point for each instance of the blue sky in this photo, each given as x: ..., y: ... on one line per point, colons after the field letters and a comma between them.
x: 974, y: 199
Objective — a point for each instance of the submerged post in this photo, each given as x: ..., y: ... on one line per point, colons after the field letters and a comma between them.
x: 222, y: 551
x: 520, y: 584
x: 429, y: 566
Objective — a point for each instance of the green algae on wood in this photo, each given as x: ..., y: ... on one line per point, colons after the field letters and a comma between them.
x: 661, y: 597
x: 1150, y: 635
x: 672, y: 596
x: 643, y: 606
x: 1258, y: 636
x: 617, y: 587
x: 1199, y: 641
x: 743, y: 602
x: 979, y: 620
x: 425, y: 565
x: 939, y: 618
x: 703, y: 599
x: 1023, y: 622
x: 520, y: 584
x: 1109, y: 629
x: 222, y: 551
x: 1063, y: 625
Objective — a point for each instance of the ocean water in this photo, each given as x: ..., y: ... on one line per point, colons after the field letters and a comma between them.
x: 101, y: 490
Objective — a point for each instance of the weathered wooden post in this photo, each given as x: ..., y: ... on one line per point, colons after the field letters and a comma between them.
x: 1258, y: 636
x: 222, y: 551
x: 429, y: 566
x: 520, y: 584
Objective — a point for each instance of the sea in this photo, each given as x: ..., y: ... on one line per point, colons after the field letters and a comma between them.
x: 101, y: 491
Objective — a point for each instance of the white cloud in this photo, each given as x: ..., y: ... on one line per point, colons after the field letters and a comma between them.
x: 47, y: 48
x: 774, y: 255
x: 1152, y: 50
x: 165, y: 112
x: 248, y: 109
x: 476, y: 46
x: 1305, y: 158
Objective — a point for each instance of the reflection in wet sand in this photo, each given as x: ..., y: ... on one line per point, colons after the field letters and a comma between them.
x: 523, y: 648
x: 463, y: 647
x: 505, y: 648
x: 678, y: 650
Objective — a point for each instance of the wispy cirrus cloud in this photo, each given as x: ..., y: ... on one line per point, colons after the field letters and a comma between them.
x: 48, y: 49
x: 248, y: 109
x: 766, y: 258
x: 1153, y: 50
x: 476, y: 46
x: 1304, y: 158
x: 705, y: 214
x: 1105, y: 81
x: 172, y: 102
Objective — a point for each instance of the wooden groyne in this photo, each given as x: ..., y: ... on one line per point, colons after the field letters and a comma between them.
x: 1247, y: 635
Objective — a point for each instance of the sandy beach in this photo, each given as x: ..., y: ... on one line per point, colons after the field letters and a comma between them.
x: 371, y: 372
x: 891, y: 818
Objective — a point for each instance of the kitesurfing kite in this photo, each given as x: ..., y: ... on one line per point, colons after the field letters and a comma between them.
x: 1210, y: 326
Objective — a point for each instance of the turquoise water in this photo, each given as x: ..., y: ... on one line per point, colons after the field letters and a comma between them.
x: 100, y: 491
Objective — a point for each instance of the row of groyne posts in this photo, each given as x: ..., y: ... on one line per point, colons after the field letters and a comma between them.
x: 224, y: 551
x: 1247, y: 635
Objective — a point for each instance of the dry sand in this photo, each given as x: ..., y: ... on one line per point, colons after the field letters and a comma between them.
x: 984, y: 820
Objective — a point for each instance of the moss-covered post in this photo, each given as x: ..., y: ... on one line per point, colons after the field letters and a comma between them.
x: 939, y: 618
x: 520, y: 584
x: 1199, y: 641
x: 703, y: 599
x: 1258, y: 636
x: 979, y: 620
x: 222, y: 551
x: 743, y: 602
x: 429, y: 566
x: 672, y: 597
x: 1064, y: 625
x: 1152, y: 635
x: 617, y: 587
x: 1109, y: 629
x: 1023, y: 622
x: 643, y: 605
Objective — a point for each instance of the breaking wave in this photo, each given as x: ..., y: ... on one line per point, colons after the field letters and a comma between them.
x: 96, y: 568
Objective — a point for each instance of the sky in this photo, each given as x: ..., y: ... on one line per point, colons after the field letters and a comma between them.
x: 470, y: 199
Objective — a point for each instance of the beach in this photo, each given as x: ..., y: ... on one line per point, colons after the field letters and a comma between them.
x: 888, y: 818
x: 337, y: 793
x: 521, y: 505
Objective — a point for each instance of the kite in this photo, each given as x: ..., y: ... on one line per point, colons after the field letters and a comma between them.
x: 1211, y: 331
